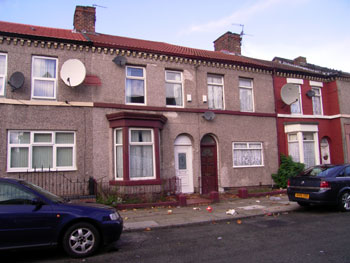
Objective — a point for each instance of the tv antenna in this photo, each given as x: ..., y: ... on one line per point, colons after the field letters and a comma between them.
x: 94, y: 5
x: 242, y: 29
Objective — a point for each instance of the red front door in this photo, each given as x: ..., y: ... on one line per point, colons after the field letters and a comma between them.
x: 209, y: 176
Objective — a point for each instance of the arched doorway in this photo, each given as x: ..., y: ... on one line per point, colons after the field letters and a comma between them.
x: 209, y: 176
x: 183, y: 162
x: 325, y: 153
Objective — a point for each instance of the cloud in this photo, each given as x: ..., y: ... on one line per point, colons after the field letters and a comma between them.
x: 239, y: 15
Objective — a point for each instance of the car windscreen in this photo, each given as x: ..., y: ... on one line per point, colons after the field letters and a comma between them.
x: 43, y: 192
x: 322, y: 171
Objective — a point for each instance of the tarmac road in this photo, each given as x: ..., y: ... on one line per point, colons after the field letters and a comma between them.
x: 317, y: 234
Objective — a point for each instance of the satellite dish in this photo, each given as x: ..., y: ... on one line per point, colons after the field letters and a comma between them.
x: 209, y: 115
x: 119, y: 61
x: 73, y: 72
x: 289, y: 93
x: 310, y: 93
x: 16, y: 80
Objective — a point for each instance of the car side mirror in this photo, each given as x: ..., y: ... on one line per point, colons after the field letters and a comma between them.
x: 38, y: 203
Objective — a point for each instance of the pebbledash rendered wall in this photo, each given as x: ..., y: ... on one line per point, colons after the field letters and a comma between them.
x: 229, y: 125
x: 71, y: 111
x: 75, y: 110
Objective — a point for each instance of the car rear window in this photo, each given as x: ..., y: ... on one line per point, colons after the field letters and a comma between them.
x: 322, y: 171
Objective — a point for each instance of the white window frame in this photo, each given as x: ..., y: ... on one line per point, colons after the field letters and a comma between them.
x: 54, y: 80
x: 4, y: 76
x: 175, y: 82
x: 298, y: 101
x: 248, y: 148
x: 115, y: 154
x: 143, y: 144
x: 320, y: 98
x: 32, y: 144
x: 299, y: 129
x: 216, y: 85
x: 136, y: 78
x: 251, y: 87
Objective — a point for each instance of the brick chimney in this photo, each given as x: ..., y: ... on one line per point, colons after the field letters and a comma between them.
x: 301, y: 61
x: 229, y: 42
x: 84, y: 19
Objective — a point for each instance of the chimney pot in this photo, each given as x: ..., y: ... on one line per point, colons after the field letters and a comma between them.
x: 229, y: 42
x: 84, y: 19
x: 300, y: 61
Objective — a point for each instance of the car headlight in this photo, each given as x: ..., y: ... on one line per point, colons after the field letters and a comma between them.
x: 114, y: 216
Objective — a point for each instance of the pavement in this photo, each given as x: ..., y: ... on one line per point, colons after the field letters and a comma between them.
x: 145, y: 219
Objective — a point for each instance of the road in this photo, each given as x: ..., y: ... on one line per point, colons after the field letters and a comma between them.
x: 316, y: 234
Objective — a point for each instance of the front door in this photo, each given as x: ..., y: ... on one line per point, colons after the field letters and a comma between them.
x: 209, y: 178
x: 183, y: 163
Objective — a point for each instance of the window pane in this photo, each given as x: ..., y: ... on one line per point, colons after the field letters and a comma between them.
x: 308, y: 136
x: 293, y: 150
x: 64, y: 156
x: 295, y: 107
x: 135, y: 91
x: 42, y: 157
x: 173, y: 94
x: 119, y: 137
x: 240, y: 146
x: 215, y: 79
x: 316, y: 105
x: 42, y: 137
x: 119, y: 161
x: 174, y: 76
x: 44, y: 68
x: 134, y: 72
x: 141, y: 161
x: 2, y: 64
x: 247, y: 157
x: 141, y: 136
x: 245, y: 82
x: 255, y: 145
x: 245, y: 96
x: 44, y: 88
x: 215, y: 97
x: 2, y: 79
x: 309, y: 154
x: 19, y: 137
x: 65, y: 138
x: 292, y: 137
x: 19, y: 157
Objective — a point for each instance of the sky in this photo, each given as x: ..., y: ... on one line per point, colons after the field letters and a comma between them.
x: 315, y: 29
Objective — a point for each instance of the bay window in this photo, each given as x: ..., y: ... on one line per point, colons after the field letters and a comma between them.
x: 41, y: 150
x: 44, y: 77
x: 136, y: 147
x: 3, y: 72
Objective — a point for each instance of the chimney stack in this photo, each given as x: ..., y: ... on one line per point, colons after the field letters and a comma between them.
x: 300, y: 61
x: 229, y: 42
x: 84, y: 19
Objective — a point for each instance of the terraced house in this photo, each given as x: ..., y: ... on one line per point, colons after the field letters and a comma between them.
x: 134, y: 112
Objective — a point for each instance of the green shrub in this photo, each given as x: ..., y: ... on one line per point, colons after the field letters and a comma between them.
x: 287, y: 169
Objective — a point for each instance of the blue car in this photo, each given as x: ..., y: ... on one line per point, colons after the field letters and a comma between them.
x: 322, y: 184
x: 33, y: 217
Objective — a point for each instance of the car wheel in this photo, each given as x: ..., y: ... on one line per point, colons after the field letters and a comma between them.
x: 303, y: 204
x: 81, y: 240
x: 344, y: 202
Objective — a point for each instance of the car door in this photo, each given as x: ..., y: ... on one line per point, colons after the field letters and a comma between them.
x: 23, y: 223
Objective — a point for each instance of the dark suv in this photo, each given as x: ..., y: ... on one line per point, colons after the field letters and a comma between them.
x: 31, y: 217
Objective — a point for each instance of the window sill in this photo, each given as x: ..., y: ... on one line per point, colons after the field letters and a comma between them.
x: 136, y: 182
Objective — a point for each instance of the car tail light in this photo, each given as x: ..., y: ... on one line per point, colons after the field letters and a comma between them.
x: 325, y: 185
x: 288, y: 183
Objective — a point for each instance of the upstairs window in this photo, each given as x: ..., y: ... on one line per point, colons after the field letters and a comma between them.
x: 317, y: 101
x: 173, y: 88
x: 135, y: 85
x: 44, y: 78
x: 3, y: 72
x: 215, y: 92
x: 295, y: 107
x: 246, y: 94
